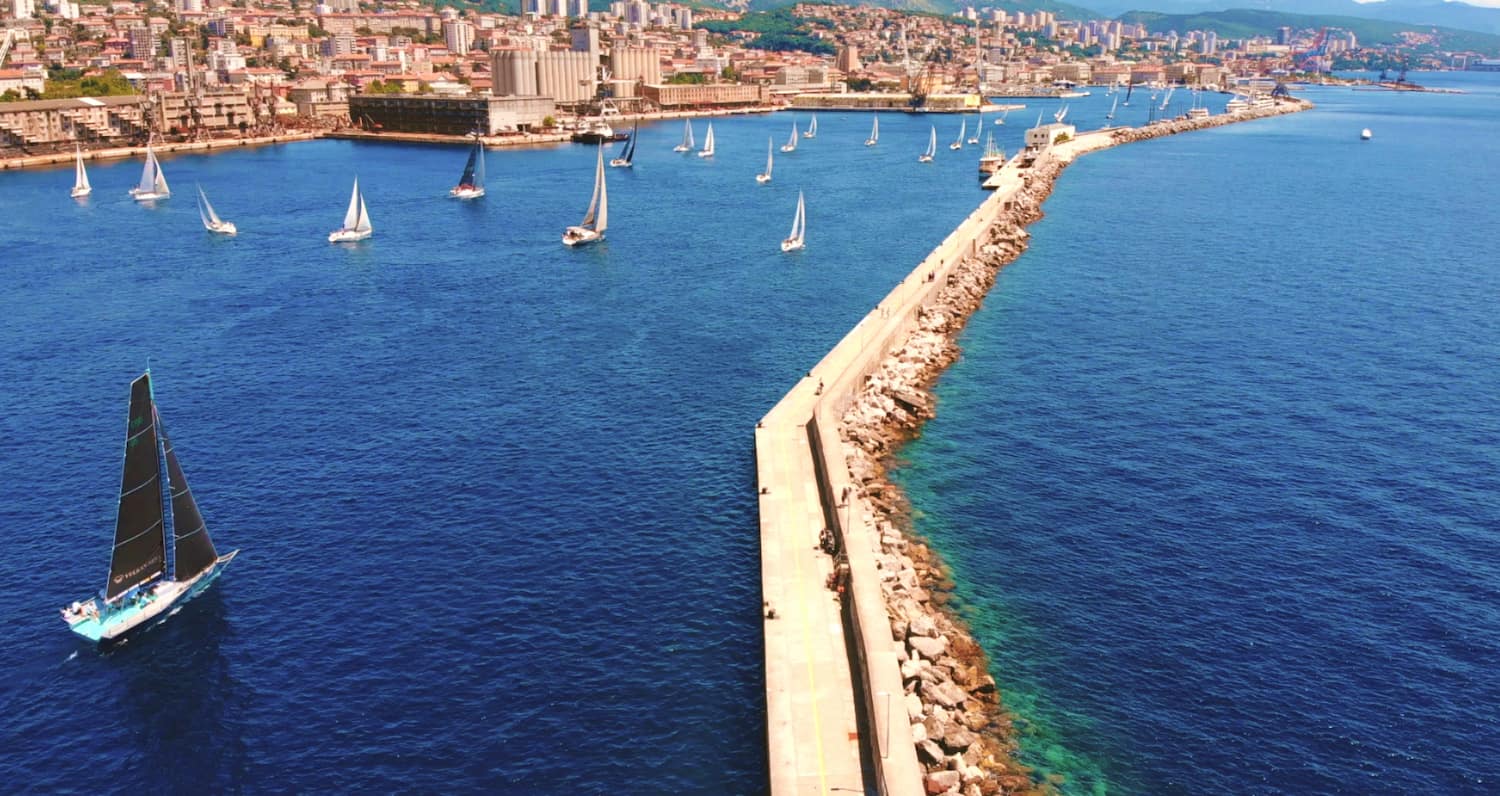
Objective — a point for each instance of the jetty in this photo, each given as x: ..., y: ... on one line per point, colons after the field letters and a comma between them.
x: 870, y: 684
x: 117, y: 153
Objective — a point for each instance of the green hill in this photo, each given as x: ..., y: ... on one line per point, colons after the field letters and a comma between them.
x: 1243, y: 23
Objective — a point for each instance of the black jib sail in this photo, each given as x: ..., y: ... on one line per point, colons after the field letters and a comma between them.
x: 468, y: 179
x: 140, y: 544
x: 192, y: 547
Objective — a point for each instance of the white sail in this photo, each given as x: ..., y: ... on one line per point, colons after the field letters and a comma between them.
x: 356, y: 205
x: 160, y: 185
x: 795, y: 238
x: 206, y: 211
x: 603, y: 221
x: 148, y: 173
x: 931, y: 146
x: 766, y: 177
x: 791, y: 143
x: 81, y: 176
x: 812, y: 129
x: 687, y: 137
x: 708, y: 142
x: 363, y: 225
x: 874, y: 132
x: 599, y: 202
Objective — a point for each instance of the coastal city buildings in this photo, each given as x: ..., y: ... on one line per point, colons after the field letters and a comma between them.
x: 206, y: 68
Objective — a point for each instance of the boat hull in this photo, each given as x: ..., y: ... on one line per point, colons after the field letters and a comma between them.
x: 348, y: 235
x: 788, y: 148
x: 762, y: 178
x: 619, y: 163
x: 140, y: 611
x: 149, y: 196
x: 924, y: 158
x: 79, y: 193
x: 790, y: 245
x: 224, y: 228
x: 682, y: 148
x: 870, y: 142
x: 466, y: 193
x: 579, y: 236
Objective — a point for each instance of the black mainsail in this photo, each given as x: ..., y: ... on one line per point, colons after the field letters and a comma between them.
x: 467, y: 181
x: 140, y: 543
x: 193, y: 549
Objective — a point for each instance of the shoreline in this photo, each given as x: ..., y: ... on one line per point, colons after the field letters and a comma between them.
x: 353, y: 134
x: 963, y: 734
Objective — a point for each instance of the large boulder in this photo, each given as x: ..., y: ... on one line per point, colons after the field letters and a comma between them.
x: 929, y: 753
x: 927, y: 647
x: 946, y: 694
x: 942, y: 782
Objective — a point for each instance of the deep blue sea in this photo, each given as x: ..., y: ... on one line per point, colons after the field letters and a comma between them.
x: 1219, y: 470
x: 1216, y: 472
x: 495, y: 497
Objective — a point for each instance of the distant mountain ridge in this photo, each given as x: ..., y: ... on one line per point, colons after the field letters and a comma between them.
x: 1243, y: 23
x: 1061, y: 9
x: 1411, y: 12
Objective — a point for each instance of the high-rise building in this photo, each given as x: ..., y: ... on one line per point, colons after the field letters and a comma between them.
x: 586, y: 40
x: 142, y: 43
x: 848, y: 60
x: 23, y: 9
x: 182, y: 55
x: 1284, y: 35
x: 458, y: 34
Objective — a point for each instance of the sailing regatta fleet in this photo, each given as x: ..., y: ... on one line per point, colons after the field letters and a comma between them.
x: 356, y: 225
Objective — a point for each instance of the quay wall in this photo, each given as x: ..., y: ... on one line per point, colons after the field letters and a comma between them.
x: 116, y: 153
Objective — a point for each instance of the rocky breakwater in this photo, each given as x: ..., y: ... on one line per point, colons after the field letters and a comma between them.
x: 1125, y: 135
x: 963, y: 734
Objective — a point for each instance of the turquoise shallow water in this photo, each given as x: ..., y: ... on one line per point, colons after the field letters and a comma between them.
x: 1217, y: 471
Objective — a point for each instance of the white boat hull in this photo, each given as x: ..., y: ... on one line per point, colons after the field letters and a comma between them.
x: 348, y: 235
x: 619, y: 163
x: 224, y: 228
x: 869, y: 142
x: 790, y: 245
x: 79, y: 193
x: 466, y: 193
x: 580, y: 236
x: 788, y: 148
x: 924, y: 158
x: 955, y: 146
x: 148, y: 196
x: 682, y: 148
x: 762, y: 178
x: 705, y: 154
x: 141, y: 609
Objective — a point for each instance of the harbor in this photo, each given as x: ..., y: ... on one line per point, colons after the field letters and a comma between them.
x: 925, y: 707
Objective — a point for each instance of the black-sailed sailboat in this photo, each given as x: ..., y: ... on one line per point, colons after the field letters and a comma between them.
x: 147, y: 576
x: 627, y: 155
x: 471, y: 183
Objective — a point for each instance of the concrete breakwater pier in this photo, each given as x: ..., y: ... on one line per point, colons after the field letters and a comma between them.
x: 870, y: 682
x: 117, y: 153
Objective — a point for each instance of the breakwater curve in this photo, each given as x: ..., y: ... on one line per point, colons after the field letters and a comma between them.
x: 870, y: 682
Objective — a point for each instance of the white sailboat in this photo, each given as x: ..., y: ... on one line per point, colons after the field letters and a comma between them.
x: 812, y: 129
x: 687, y: 137
x: 81, y: 185
x: 766, y: 177
x: 1365, y: 134
x: 931, y: 148
x: 963, y: 129
x: 596, y: 220
x: 627, y: 156
x: 1111, y: 115
x: 1003, y: 114
x: 708, y: 143
x: 211, y: 220
x: 356, y: 220
x: 153, y: 184
x: 874, y: 132
x: 791, y: 144
x: 974, y: 139
x: 798, y: 236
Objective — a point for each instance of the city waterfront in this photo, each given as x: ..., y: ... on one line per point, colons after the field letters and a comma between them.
x: 1216, y: 474
x: 551, y: 442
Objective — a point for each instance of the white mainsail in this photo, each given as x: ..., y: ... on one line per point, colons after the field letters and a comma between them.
x: 874, y: 132
x: 81, y: 185
x: 356, y: 212
x: 206, y: 212
x: 766, y: 177
x: 799, y: 221
x: 708, y: 143
x: 687, y: 137
x: 597, y: 218
x: 791, y: 143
